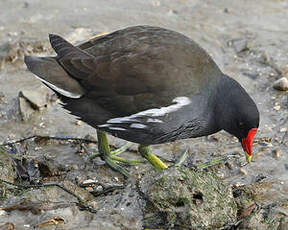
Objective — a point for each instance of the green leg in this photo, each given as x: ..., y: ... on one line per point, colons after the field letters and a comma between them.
x: 114, y: 153
x: 104, y: 150
x: 153, y: 159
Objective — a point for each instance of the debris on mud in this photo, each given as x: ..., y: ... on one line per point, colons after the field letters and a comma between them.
x: 12, y: 52
x: 254, y: 213
x: 6, y: 166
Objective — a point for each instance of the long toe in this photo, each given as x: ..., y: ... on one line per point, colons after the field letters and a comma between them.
x: 152, y: 158
x: 113, y: 165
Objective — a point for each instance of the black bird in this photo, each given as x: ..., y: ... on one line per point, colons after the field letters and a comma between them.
x: 147, y: 85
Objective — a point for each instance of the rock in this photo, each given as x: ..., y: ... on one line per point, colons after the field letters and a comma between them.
x: 281, y: 84
x: 188, y: 199
x: 38, y: 98
x: 243, y: 171
x: 25, y: 109
x: 277, y: 107
x: 239, y: 45
x: 31, y: 100
x: 78, y: 122
x: 276, y: 153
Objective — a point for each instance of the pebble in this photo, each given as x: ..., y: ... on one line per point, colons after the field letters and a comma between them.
x: 2, y: 212
x: 269, y: 145
x: 277, y: 107
x: 276, y: 153
x: 74, y: 167
x: 156, y: 3
x: 229, y: 165
x: 281, y: 84
x: 243, y: 171
x: 89, y: 182
x: 89, y: 189
x: 282, y: 130
x: 78, y: 122
x: 99, y: 188
x: 239, y: 45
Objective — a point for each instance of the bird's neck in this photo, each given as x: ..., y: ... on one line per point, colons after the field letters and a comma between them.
x: 226, y: 95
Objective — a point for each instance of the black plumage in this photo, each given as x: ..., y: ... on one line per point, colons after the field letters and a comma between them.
x: 147, y: 85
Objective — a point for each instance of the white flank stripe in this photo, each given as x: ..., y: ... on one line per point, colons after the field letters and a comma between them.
x: 117, y: 128
x: 138, y: 126
x: 104, y: 125
x: 154, y: 120
x: 180, y: 102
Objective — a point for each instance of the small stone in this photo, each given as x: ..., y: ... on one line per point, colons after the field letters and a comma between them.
x: 229, y: 165
x: 89, y: 189
x: 37, y: 98
x: 99, y: 188
x: 2, y: 212
x: 281, y: 84
x: 283, y: 130
x: 25, y: 109
x: 12, y: 34
x: 89, y: 182
x: 156, y: 3
x: 74, y: 167
x: 282, y: 182
x: 277, y: 107
x: 243, y: 171
x: 78, y: 122
x: 116, y: 179
x: 269, y: 145
x: 239, y: 45
x: 276, y: 153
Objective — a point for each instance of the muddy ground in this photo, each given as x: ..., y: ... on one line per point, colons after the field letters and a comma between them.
x: 247, y: 39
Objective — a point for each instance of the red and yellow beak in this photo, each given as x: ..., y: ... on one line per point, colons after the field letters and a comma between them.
x: 247, y: 144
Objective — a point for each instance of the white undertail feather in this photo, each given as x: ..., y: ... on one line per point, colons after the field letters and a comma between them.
x: 59, y: 90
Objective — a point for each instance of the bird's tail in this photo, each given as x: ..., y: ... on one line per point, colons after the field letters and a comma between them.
x: 48, y: 70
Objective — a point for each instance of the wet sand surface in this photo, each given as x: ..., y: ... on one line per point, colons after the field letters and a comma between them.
x: 247, y: 39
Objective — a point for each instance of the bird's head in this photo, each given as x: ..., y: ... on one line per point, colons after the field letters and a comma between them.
x: 244, y: 126
x: 240, y: 117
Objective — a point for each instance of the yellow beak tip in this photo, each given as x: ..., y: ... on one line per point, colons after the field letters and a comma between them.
x: 248, y: 157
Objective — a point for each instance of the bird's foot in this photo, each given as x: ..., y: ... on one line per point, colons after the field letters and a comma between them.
x: 113, y: 165
x: 111, y: 158
x: 115, y: 152
x: 149, y: 156
x: 120, y: 150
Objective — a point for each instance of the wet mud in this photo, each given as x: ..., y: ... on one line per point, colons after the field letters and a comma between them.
x: 247, y: 39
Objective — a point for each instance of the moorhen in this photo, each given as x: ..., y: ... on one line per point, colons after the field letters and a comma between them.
x: 147, y: 85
